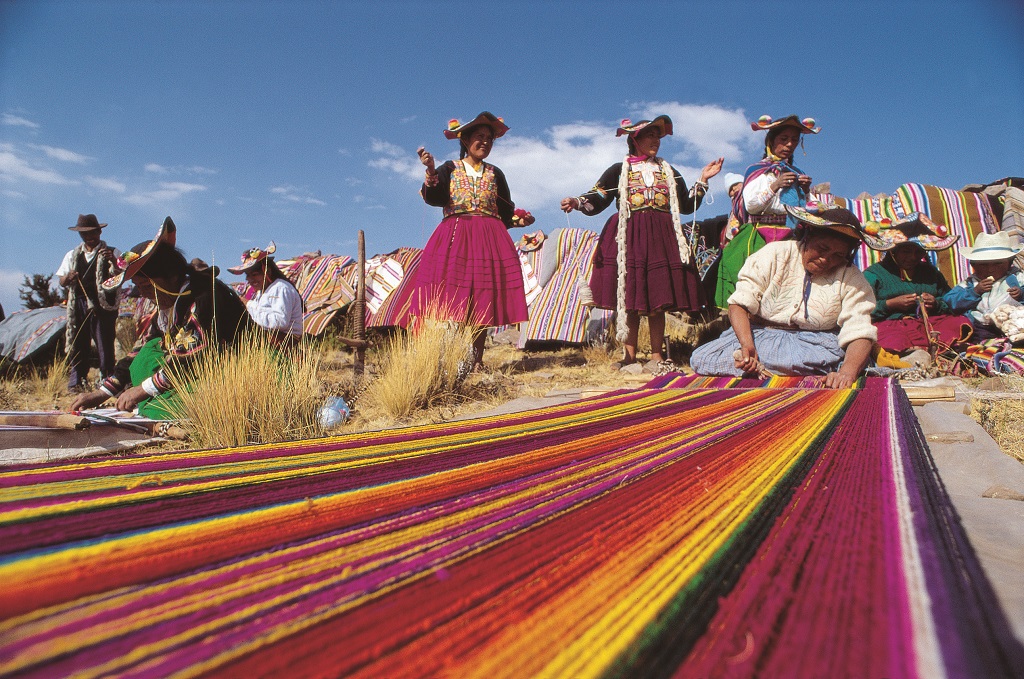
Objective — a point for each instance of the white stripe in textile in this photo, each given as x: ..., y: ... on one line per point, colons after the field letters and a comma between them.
x: 926, y: 641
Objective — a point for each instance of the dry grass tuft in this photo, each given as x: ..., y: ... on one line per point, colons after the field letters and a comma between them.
x: 1002, y: 417
x: 251, y: 393
x: 51, y: 383
x: 420, y: 369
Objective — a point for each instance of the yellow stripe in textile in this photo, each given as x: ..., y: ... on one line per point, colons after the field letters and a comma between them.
x: 228, y: 474
x: 644, y: 582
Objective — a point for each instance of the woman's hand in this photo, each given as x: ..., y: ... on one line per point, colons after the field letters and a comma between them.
x: 902, y: 303
x: 1015, y: 293
x: 784, y: 181
x: 89, y: 399
x: 745, y: 358
x: 804, y: 181
x: 427, y: 159
x: 838, y: 381
x: 570, y: 204
x: 928, y: 300
x: 711, y: 169
x: 131, y: 397
x: 985, y: 285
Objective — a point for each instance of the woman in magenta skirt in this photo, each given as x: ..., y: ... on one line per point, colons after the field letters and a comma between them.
x: 643, y: 265
x: 470, y: 270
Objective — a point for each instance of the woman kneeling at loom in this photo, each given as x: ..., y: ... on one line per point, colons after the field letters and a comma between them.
x: 800, y: 307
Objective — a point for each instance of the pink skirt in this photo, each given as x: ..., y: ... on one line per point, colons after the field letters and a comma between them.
x: 470, y: 272
x: 900, y: 334
x: 656, y: 278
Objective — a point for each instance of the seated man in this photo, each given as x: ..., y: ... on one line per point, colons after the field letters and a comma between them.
x: 196, y: 313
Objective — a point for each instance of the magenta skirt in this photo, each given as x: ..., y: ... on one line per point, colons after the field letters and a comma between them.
x: 470, y: 272
x: 656, y: 279
x: 900, y: 334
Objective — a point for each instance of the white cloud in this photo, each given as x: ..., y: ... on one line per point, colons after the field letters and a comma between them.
x: 106, y: 184
x: 295, y: 194
x: 199, y: 169
x: 157, y: 168
x: 61, y: 154
x: 12, y: 194
x: 13, y: 167
x: 168, y: 191
x: 154, y: 167
x: 9, y: 119
x: 567, y: 159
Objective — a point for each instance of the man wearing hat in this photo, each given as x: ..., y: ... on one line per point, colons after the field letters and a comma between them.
x: 92, y: 311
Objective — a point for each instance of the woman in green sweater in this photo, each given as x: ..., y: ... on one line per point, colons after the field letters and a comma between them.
x: 908, y: 288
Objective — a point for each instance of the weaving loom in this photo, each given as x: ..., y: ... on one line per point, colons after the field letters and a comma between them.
x: 679, y: 531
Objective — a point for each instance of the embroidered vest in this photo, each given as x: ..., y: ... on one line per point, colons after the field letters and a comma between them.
x: 471, y: 194
x: 647, y: 188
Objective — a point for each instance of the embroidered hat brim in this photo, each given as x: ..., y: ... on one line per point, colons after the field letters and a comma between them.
x: 529, y: 242
x: 497, y: 125
x: 836, y: 219
x: 253, y: 257
x: 133, y: 261
x: 916, y: 229
x: 805, y: 125
x: 662, y: 122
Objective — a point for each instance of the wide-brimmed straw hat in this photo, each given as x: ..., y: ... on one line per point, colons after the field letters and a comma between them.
x: 130, y: 262
x: 831, y: 217
x: 86, y: 223
x: 989, y: 247
x: 663, y: 123
x: 915, y: 229
x: 805, y: 125
x: 253, y: 257
x: 497, y: 125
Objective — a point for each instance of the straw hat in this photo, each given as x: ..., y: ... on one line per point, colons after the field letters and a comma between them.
x: 989, y: 247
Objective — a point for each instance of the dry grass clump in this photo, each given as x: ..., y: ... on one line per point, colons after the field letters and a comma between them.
x: 250, y: 393
x: 1002, y: 417
x: 51, y: 383
x: 419, y: 369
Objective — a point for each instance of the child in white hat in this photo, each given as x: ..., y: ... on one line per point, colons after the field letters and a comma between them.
x: 994, y: 282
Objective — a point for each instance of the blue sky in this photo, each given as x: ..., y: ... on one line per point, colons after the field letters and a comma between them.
x: 298, y: 121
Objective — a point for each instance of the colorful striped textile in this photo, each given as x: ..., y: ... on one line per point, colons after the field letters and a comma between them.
x: 652, y: 532
x: 394, y: 309
x: 323, y: 284
x: 556, y: 314
x: 680, y: 381
x: 965, y: 213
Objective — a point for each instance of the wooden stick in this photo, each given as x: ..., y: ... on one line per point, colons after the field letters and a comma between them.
x: 360, y: 309
x: 51, y: 420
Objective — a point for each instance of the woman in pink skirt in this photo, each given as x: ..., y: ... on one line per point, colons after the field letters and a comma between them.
x: 643, y: 264
x: 470, y: 271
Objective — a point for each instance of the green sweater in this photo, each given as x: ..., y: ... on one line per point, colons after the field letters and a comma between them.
x: 885, y: 280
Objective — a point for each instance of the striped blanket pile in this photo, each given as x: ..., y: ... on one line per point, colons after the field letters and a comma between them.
x: 773, y: 532
x: 965, y: 213
x: 321, y: 280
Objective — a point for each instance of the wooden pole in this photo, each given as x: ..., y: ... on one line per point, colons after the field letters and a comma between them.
x: 359, y: 308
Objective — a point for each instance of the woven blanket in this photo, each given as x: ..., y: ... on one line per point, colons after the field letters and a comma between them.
x: 652, y: 532
x: 965, y: 213
x: 322, y: 283
x: 393, y: 309
x: 556, y: 313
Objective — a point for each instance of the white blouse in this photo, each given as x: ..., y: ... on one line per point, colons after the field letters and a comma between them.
x: 279, y: 307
